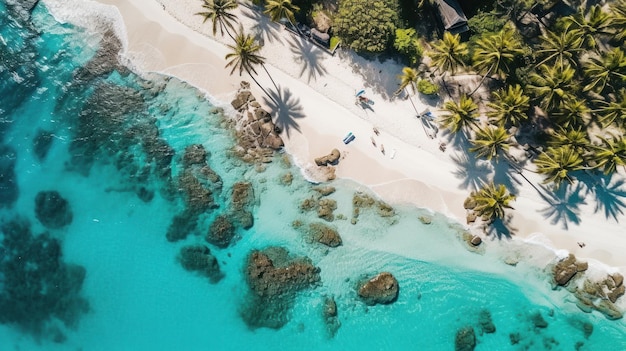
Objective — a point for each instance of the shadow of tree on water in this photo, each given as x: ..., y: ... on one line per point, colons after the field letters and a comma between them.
x: 563, y: 204
x: 309, y: 56
x: 263, y: 27
x: 286, y: 108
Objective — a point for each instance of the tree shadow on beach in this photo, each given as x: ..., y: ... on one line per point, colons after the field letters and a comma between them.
x: 309, y: 56
x: 503, y: 174
x: 473, y: 172
x: 501, y: 228
x: 563, y: 204
x: 380, y: 77
x: 609, y: 196
x: 263, y: 27
x: 287, y: 109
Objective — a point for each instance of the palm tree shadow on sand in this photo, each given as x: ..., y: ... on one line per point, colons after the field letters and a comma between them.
x: 501, y: 228
x: 563, y: 204
x: 309, y: 56
x: 473, y: 172
x: 263, y: 26
x: 609, y: 196
x: 287, y: 109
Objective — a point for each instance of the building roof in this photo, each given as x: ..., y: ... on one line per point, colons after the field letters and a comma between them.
x: 452, y: 16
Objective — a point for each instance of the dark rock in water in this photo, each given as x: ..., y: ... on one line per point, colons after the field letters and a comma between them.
x: 609, y: 310
x: 198, y: 258
x: 587, y: 329
x: 274, y: 278
x: 182, y: 225
x: 52, y: 210
x: 43, y: 289
x: 324, y: 234
x: 332, y: 158
x: 476, y: 240
x: 198, y: 195
x: 381, y: 289
x: 194, y: 155
x: 465, y: 339
x: 8, y: 179
x: 325, y: 208
x: 325, y: 191
x: 566, y: 269
x: 221, y: 232
x: 485, y: 321
x: 330, y: 316
x: 538, y: 320
x: 515, y: 338
x: 104, y: 61
x: 242, y: 201
x: 42, y: 143
x: 144, y: 194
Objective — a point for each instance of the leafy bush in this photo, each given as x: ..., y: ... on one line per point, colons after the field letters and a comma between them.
x: 367, y: 26
x: 407, y: 44
x: 427, y: 88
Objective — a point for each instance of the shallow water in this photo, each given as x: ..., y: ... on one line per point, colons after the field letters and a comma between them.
x: 102, y: 152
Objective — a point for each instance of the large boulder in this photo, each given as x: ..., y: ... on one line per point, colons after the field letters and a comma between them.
x: 331, y: 158
x: 221, y: 232
x: 566, y: 269
x: 52, y: 210
x: 465, y: 339
x: 381, y: 289
x: 486, y: 323
x: 324, y: 234
x: 198, y: 258
x: 195, y: 154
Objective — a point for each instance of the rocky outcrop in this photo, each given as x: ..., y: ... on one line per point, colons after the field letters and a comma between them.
x: 221, y: 232
x: 330, y: 316
x: 242, y: 200
x: 274, y: 278
x: 41, y: 144
x: 198, y: 258
x: 601, y: 295
x: 538, y: 321
x: 381, y: 289
x: 566, y: 269
x: 325, y: 209
x: 325, y: 190
x: 485, y: 322
x: 181, y: 226
x: 361, y: 201
x: 257, y: 136
x: 475, y: 240
x: 330, y: 159
x: 52, y: 210
x: 324, y: 234
x: 465, y: 339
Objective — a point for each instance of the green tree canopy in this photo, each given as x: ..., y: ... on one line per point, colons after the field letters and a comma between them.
x: 279, y: 9
x: 557, y: 164
x: 553, y: 84
x: 491, y: 142
x: 509, y: 106
x: 367, y: 26
x: 459, y: 115
x: 491, y: 201
x: 407, y: 44
x: 495, y: 53
x: 219, y: 12
x: 611, y: 154
x: 448, y: 53
x: 608, y: 69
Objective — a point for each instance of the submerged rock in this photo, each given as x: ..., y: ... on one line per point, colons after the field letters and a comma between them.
x: 8, y: 179
x: 198, y: 258
x: 181, y: 226
x: 324, y: 234
x: 465, y: 339
x: 485, y: 321
x: 538, y: 320
x: 42, y: 143
x: 381, y: 289
x: 52, y: 210
x: 221, y: 232
x: 330, y: 316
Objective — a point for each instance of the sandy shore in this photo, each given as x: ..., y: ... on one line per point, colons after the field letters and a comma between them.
x: 164, y: 36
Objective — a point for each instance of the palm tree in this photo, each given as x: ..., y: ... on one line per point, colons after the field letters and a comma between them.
x: 219, y: 12
x: 557, y: 163
x: 448, y: 53
x: 607, y: 69
x: 279, y: 9
x: 491, y: 201
x: 560, y: 48
x: 408, y: 78
x: 509, y: 106
x: 618, y: 20
x: 245, y: 56
x: 571, y: 112
x: 491, y: 142
x: 495, y: 54
x: 575, y: 138
x: 459, y: 115
x: 553, y: 85
x: 590, y: 26
x: 611, y: 154
x: 614, y: 110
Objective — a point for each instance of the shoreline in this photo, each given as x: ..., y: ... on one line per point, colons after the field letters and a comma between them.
x: 156, y: 42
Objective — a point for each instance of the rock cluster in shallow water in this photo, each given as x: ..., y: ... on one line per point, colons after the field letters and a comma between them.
x: 52, y: 210
x: 465, y: 339
x: 381, y: 289
x: 198, y: 258
x: 274, y: 278
x: 331, y: 318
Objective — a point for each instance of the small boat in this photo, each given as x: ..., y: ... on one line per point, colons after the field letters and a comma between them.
x: 348, y: 136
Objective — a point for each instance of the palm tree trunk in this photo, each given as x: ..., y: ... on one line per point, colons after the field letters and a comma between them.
x: 482, y: 80
x: 260, y: 86
x: 272, y: 79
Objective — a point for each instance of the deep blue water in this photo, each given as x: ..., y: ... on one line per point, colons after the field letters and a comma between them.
x: 112, y: 143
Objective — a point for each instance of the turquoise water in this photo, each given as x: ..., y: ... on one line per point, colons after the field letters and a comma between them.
x: 115, y: 136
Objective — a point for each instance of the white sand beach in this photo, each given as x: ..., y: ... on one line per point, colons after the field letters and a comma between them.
x: 165, y: 36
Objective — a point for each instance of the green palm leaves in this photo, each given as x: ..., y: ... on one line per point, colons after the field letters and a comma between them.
x: 611, y: 154
x: 491, y: 142
x: 496, y: 53
x: 560, y: 48
x: 219, y: 12
x: 491, y: 201
x: 553, y: 85
x: 279, y: 9
x: 607, y: 69
x: 448, y: 53
x: 590, y: 25
x: 509, y: 106
x: 613, y: 111
x: 459, y: 115
x: 408, y: 78
x: 245, y: 54
x: 558, y: 163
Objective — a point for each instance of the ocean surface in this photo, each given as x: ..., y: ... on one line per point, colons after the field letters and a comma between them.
x: 91, y: 169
